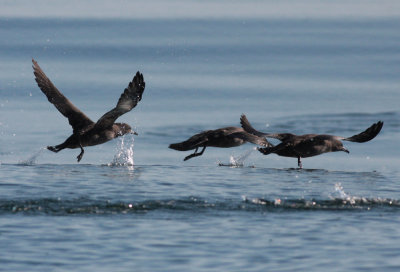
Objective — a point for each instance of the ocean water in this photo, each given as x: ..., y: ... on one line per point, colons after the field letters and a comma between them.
x: 132, y: 204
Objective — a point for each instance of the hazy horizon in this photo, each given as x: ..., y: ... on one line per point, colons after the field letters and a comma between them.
x: 179, y: 9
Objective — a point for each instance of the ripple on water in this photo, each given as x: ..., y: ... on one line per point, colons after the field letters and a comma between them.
x: 85, y: 206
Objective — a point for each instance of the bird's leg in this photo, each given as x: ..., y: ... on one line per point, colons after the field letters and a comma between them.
x: 80, y: 154
x: 299, y: 162
x: 202, y: 151
x: 195, y: 154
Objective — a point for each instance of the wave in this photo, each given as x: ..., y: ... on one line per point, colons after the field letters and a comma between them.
x: 335, y: 204
x: 59, y: 207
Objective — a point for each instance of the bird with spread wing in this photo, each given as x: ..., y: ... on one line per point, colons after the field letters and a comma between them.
x: 85, y: 131
x: 309, y: 145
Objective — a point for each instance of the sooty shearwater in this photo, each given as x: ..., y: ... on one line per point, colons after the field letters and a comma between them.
x: 222, y: 137
x: 308, y: 145
x: 85, y: 131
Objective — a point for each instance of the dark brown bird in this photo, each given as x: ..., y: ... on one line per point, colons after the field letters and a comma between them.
x: 222, y: 137
x: 308, y: 145
x: 85, y: 131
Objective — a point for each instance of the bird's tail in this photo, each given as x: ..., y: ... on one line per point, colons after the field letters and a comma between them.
x: 180, y: 146
x: 193, y: 142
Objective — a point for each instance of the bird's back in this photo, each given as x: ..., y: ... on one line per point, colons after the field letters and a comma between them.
x: 310, y: 145
x: 216, y: 138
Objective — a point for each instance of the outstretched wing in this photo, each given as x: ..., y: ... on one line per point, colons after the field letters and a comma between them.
x: 366, y: 135
x: 128, y: 100
x: 249, y: 128
x: 77, y: 119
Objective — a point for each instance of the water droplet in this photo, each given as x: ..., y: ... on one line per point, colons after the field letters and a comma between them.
x: 124, y: 155
x: 33, y: 158
x: 239, y: 160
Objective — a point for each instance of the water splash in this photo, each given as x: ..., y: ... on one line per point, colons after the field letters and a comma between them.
x: 33, y: 158
x: 124, y: 152
x: 239, y: 160
x: 344, y: 196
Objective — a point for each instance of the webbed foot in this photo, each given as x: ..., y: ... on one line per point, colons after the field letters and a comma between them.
x: 265, y: 150
x: 53, y: 148
x: 80, y: 154
x: 79, y: 157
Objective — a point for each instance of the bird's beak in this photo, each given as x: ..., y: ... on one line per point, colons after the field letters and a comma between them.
x: 345, y: 150
x: 134, y: 132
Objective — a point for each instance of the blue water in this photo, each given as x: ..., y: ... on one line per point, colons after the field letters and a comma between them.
x: 132, y: 204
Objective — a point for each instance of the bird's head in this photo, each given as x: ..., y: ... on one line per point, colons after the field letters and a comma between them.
x: 340, y: 147
x: 124, y: 129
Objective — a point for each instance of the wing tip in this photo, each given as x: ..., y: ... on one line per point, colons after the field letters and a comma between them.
x: 368, y: 134
x: 379, y: 126
x: 376, y: 127
x: 139, y: 83
x: 35, y: 65
x: 243, y: 120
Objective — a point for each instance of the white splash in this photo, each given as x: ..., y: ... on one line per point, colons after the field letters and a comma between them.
x: 33, y: 158
x: 124, y: 151
x: 239, y: 160
x: 344, y: 196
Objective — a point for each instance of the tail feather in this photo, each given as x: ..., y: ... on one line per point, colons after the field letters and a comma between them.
x: 193, y: 142
x: 180, y: 147
x: 366, y: 135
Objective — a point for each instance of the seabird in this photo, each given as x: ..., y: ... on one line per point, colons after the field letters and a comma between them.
x: 308, y: 145
x: 85, y: 131
x: 222, y: 137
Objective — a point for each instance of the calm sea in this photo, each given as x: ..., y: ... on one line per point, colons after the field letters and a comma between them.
x: 132, y: 204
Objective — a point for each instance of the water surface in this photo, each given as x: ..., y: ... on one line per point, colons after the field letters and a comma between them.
x: 132, y: 203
